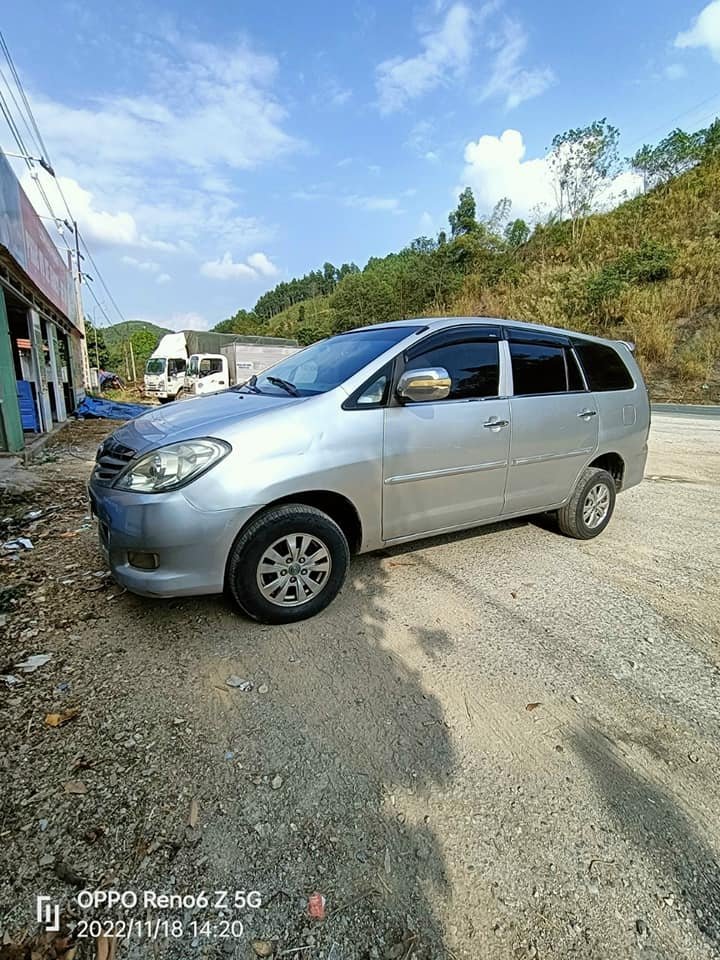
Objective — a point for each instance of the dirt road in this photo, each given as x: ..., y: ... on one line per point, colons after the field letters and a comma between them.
x: 496, y: 745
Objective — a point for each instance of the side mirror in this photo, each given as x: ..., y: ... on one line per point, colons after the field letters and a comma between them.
x: 431, y: 383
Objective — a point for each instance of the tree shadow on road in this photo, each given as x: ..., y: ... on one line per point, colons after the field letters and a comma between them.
x: 651, y: 817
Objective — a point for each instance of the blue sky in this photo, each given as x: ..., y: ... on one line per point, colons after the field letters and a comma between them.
x: 209, y: 151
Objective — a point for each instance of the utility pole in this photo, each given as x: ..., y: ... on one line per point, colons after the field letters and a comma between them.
x: 97, y: 353
x: 80, y: 312
x: 132, y: 359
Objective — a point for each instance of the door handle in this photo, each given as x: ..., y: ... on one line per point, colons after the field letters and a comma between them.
x: 496, y: 423
x: 587, y: 413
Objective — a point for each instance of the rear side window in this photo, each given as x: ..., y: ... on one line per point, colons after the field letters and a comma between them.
x: 603, y: 366
x: 473, y: 366
x: 538, y: 368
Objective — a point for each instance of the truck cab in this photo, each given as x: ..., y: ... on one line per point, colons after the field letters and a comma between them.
x: 206, y: 373
x: 164, y: 377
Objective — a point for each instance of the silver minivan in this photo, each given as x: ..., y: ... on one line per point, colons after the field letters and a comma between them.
x: 370, y: 438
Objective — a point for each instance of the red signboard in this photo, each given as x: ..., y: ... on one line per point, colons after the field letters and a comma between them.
x: 28, y: 242
x: 43, y: 262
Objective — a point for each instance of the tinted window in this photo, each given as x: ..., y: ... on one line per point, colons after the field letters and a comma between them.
x: 326, y: 364
x: 603, y: 367
x: 538, y: 368
x: 473, y: 367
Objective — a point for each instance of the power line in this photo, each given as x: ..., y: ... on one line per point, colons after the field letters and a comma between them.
x: 101, y: 278
x: 679, y: 116
x: 18, y: 82
x: 102, y: 308
x: 7, y: 113
x: 45, y: 162
x: 18, y: 108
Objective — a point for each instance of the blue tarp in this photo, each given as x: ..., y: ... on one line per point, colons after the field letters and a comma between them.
x: 95, y: 408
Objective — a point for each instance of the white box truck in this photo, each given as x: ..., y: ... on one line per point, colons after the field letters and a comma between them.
x: 194, y: 362
x: 234, y: 363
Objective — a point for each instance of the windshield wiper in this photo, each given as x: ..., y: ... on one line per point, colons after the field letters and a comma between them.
x: 284, y: 385
x: 249, y: 385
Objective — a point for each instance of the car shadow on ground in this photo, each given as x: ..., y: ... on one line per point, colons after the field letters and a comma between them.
x: 352, y: 738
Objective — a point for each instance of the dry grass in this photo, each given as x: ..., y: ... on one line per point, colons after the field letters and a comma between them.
x: 675, y: 322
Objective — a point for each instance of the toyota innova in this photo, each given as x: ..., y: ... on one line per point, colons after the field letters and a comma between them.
x: 373, y: 437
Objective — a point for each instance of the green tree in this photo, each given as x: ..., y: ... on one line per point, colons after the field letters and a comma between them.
x: 242, y: 322
x: 516, y: 233
x: 361, y: 299
x: 582, y: 162
x: 97, y: 348
x: 329, y: 278
x: 463, y: 219
x: 143, y: 344
x: 674, y: 154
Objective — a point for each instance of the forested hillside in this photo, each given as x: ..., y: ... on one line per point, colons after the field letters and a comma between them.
x: 647, y: 270
x: 109, y: 347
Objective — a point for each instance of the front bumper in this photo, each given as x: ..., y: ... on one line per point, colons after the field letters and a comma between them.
x: 192, y: 545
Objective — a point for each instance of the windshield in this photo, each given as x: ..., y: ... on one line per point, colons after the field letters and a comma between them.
x: 325, y: 365
x: 155, y: 365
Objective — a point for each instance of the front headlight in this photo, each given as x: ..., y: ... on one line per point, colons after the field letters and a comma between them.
x: 173, y: 466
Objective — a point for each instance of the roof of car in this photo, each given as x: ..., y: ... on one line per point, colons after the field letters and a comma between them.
x: 438, y: 323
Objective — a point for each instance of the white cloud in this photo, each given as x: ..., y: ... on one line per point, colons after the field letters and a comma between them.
x: 263, y: 265
x: 704, y: 30
x: 338, y: 96
x: 426, y: 223
x: 509, y: 79
x: 163, y: 278
x: 207, y: 105
x: 496, y: 167
x: 388, y: 204
x: 674, y: 71
x: 99, y: 227
x: 446, y: 52
x: 185, y: 321
x: 177, y: 321
x: 256, y: 265
x: 156, y: 170
x: 149, y: 266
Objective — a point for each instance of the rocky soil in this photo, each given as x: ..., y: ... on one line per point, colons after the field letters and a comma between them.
x: 497, y: 745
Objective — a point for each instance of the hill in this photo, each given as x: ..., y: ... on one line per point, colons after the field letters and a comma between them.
x: 647, y: 270
x: 122, y: 331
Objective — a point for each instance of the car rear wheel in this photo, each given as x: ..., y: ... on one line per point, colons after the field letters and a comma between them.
x: 288, y: 564
x: 588, y: 511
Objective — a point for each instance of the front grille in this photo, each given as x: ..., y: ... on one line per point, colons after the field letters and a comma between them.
x: 112, y: 457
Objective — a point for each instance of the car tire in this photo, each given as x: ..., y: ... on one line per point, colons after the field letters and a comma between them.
x: 270, y: 577
x: 589, y: 509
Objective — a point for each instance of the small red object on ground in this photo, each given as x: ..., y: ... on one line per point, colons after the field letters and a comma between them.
x: 316, y: 906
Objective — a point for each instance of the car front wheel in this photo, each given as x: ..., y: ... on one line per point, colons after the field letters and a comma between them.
x: 588, y: 511
x: 288, y: 564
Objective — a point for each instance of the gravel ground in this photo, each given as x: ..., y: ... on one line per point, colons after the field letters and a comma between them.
x: 496, y: 745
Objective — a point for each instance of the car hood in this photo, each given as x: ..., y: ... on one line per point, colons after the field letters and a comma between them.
x: 199, y: 417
